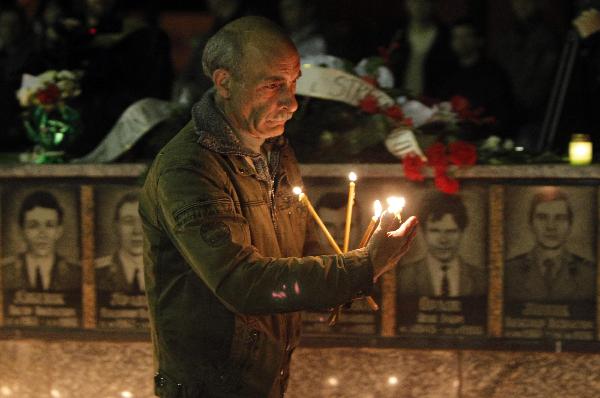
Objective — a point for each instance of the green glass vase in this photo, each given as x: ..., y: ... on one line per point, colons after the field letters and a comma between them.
x: 52, y: 130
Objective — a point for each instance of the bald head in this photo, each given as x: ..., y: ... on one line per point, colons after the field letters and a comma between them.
x: 228, y: 47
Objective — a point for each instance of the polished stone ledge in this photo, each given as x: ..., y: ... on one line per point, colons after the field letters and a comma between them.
x: 32, y: 368
x: 370, y: 170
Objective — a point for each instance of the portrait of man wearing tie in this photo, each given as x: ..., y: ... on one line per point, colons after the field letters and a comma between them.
x: 549, y: 271
x: 443, y: 272
x: 123, y: 270
x: 40, y: 268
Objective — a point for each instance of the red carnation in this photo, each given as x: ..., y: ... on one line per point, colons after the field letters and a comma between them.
x: 446, y: 184
x: 413, y: 164
x: 462, y: 153
x: 460, y: 104
x: 436, y: 156
x: 49, y: 95
x: 395, y: 112
x: 369, y: 104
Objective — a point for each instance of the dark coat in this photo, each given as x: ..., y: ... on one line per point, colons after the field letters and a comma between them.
x: 64, y: 276
x: 110, y: 275
x: 414, y: 279
x: 574, y: 280
x: 224, y: 275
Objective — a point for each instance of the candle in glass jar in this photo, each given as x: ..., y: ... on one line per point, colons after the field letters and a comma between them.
x: 580, y: 150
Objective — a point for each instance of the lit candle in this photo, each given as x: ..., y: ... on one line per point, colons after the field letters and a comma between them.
x: 371, y: 228
x: 395, y: 205
x: 351, y: 193
x: 580, y: 150
x: 304, y: 199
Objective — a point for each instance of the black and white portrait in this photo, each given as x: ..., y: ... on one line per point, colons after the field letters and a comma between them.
x: 448, y: 259
x: 330, y: 199
x: 550, y: 244
x: 39, y: 231
x: 41, y: 255
x: 119, y: 266
x: 331, y: 207
x: 119, y: 240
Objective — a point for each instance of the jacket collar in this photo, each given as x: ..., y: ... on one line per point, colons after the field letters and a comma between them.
x: 216, y: 134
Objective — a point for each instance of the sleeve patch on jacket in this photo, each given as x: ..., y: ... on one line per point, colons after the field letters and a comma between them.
x: 215, y: 234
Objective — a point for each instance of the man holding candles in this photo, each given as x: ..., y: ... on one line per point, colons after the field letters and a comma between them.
x: 225, y: 237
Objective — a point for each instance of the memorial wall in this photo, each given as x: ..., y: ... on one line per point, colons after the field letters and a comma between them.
x: 509, y: 264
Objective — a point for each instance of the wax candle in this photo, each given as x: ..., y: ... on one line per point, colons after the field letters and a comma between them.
x: 372, y: 224
x: 351, y: 192
x: 304, y: 199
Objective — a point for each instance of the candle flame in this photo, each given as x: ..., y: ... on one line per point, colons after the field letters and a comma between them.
x: 395, y: 204
x: 377, y: 209
x: 352, y: 176
x: 297, y: 190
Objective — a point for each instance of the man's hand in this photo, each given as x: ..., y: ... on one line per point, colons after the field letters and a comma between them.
x: 390, y: 242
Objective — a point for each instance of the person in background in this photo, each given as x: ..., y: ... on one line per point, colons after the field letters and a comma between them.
x: 528, y: 52
x: 127, y: 58
x: 18, y: 55
x: 191, y: 83
x: 580, y: 114
x: 299, y: 18
x: 482, y: 81
x: 421, y: 58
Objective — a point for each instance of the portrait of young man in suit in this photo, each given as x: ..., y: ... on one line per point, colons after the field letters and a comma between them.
x: 40, y: 267
x: 123, y: 270
x: 442, y: 272
x: 549, y: 271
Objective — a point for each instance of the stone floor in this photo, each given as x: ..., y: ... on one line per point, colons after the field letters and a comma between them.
x: 63, y: 369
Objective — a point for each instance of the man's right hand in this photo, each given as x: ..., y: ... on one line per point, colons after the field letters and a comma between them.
x: 390, y: 242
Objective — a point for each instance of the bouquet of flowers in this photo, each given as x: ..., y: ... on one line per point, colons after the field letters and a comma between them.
x: 358, y: 125
x: 49, y: 121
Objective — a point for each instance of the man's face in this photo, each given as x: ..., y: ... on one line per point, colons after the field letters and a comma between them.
x: 263, y: 98
x: 41, y: 230
x: 550, y: 224
x: 420, y: 10
x: 465, y: 42
x: 129, y: 226
x: 525, y: 9
x: 442, y: 237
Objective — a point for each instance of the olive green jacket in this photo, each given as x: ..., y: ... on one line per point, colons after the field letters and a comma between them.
x: 224, y: 238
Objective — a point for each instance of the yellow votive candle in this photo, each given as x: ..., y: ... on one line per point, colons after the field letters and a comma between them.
x: 580, y: 150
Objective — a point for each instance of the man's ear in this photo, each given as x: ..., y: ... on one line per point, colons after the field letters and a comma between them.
x: 222, y: 80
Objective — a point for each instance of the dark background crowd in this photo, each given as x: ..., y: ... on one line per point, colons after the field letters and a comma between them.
x: 502, y: 55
